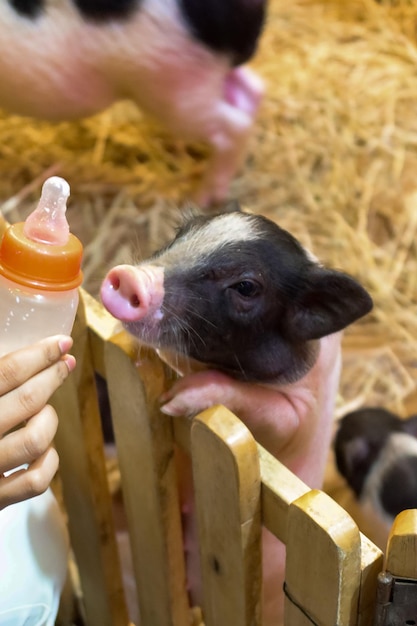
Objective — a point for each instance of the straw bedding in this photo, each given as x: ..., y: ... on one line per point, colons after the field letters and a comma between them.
x: 333, y: 158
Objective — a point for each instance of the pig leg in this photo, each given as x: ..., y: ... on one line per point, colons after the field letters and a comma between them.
x: 258, y: 406
x: 229, y: 136
x: 292, y: 421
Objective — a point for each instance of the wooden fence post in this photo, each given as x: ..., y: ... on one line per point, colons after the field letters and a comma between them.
x: 323, y: 564
x: 80, y: 445
x: 397, y: 584
x: 227, y: 493
x: 145, y: 446
x: 401, y: 557
x: 372, y: 560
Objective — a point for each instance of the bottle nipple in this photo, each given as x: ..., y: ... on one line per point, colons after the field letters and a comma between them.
x: 48, y: 222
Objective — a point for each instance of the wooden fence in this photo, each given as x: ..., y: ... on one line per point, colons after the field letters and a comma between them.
x: 333, y: 572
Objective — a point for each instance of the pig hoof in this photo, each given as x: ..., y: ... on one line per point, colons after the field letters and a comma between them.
x: 176, y: 409
x: 244, y: 90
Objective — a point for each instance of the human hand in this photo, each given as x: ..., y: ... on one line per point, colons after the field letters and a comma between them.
x: 28, y: 377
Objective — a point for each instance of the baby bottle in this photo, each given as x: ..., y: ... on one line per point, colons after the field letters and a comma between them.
x: 40, y: 272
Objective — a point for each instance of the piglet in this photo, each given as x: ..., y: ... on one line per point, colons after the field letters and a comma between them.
x: 241, y: 297
x: 376, y: 452
x: 180, y: 60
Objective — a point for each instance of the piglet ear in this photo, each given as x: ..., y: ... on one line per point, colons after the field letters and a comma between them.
x: 351, y: 455
x: 326, y: 303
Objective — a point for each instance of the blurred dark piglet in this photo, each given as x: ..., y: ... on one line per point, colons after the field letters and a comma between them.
x: 180, y: 60
x: 244, y: 299
x: 376, y: 452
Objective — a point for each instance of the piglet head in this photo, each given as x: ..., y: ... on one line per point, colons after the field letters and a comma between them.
x: 239, y: 294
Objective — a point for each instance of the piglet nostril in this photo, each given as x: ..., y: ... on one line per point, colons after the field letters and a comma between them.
x: 134, y: 301
x: 115, y: 283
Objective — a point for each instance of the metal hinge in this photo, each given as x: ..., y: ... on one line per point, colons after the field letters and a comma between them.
x: 396, y: 603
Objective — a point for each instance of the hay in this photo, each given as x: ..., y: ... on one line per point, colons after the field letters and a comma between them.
x: 333, y: 159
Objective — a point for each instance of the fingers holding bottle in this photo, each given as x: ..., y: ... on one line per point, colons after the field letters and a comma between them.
x: 30, y: 442
x: 25, y: 483
x: 29, y: 377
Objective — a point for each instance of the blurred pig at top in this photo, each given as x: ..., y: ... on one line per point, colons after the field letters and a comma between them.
x: 180, y: 60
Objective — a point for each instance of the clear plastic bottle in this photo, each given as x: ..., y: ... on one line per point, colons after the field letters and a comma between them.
x: 40, y: 272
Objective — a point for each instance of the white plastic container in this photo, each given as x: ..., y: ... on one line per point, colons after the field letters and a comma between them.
x: 40, y: 272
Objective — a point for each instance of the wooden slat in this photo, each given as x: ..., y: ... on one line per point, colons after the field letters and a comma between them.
x: 294, y: 616
x: 80, y: 446
x: 371, y: 564
x: 145, y: 449
x: 102, y: 326
x: 323, y: 563
x: 401, y: 559
x: 182, y: 433
x: 279, y: 488
x: 227, y: 493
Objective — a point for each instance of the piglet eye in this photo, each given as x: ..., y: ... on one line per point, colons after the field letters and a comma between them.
x: 246, y: 288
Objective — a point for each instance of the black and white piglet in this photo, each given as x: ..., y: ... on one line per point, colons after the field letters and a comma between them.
x: 180, y: 60
x: 376, y: 452
x: 244, y: 299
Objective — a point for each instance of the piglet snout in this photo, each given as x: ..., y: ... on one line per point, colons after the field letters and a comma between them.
x: 131, y: 294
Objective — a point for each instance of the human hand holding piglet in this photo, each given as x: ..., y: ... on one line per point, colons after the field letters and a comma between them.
x: 241, y: 296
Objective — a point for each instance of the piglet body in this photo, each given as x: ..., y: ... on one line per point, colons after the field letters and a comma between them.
x: 179, y: 61
x: 263, y: 319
